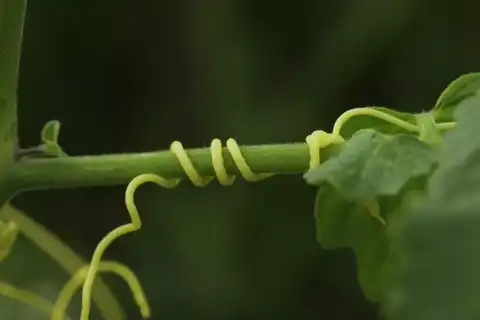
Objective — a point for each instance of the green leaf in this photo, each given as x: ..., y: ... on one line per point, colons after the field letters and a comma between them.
x: 344, y: 224
x: 371, y: 168
x: 49, y: 143
x: 439, y: 265
x: 49, y: 137
x: 50, y: 132
x: 429, y: 132
x: 461, y: 148
x: 358, y: 123
x: 373, y: 164
x: 438, y: 248
x: 460, y: 89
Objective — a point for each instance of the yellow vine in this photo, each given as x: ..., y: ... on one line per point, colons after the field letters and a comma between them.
x: 316, y: 141
x: 75, y: 282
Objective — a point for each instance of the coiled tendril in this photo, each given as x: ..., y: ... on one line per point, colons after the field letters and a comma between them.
x: 315, y: 141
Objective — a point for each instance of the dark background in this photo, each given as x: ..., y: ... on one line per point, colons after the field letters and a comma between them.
x: 126, y: 76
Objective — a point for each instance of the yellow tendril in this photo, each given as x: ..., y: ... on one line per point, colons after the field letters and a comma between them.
x: 218, y: 164
x: 69, y: 290
x: 136, y: 223
x: 177, y: 148
x: 315, y: 141
x: 216, y: 151
x: 347, y: 115
x: 64, y: 256
x: 242, y: 165
x: 373, y: 206
x: 26, y: 297
x: 318, y: 140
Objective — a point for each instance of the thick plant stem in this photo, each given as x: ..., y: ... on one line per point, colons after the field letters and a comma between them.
x: 108, y: 170
x: 12, y: 13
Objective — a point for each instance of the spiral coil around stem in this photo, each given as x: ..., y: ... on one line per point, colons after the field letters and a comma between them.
x: 315, y: 141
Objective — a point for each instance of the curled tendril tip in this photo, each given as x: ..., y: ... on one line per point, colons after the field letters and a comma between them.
x: 315, y: 141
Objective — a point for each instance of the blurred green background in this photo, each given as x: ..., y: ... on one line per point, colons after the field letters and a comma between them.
x: 126, y: 76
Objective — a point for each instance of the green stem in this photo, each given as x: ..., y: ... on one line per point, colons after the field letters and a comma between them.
x: 12, y: 13
x: 108, y: 170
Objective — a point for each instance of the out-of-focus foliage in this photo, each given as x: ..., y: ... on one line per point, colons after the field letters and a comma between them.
x: 437, y: 248
x: 133, y: 76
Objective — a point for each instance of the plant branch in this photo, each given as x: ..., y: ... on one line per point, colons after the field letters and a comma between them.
x: 12, y: 13
x: 119, y: 169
